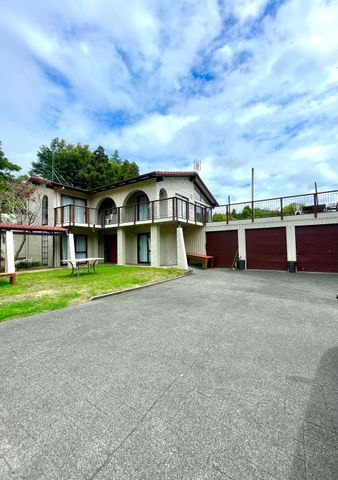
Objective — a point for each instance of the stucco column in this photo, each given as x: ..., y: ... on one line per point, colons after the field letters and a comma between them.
x: 291, y: 243
x: 155, y: 243
x: 9, y: 258
x: 241, y: 244
x: 182, y: 261
x: 71, y: 247
x: 121, y: 246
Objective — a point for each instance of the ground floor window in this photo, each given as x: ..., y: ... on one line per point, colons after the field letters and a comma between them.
x: 143, y: 247
x: 80, y: 242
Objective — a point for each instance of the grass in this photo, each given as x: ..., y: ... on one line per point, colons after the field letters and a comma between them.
x: 49, y: 290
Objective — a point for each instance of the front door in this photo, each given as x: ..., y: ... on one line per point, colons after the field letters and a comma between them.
x: 143, y: 248
x: 110, y: 248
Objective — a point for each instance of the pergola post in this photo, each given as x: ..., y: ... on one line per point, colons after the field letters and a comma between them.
x: 71, y: 247
x: 9, y: 257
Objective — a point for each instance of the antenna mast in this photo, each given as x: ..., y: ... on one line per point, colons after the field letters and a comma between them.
x: 197, y: 165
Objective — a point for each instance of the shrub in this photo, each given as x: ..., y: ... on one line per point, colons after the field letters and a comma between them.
x: 24, y: 265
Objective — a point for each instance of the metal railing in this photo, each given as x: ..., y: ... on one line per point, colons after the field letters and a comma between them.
x: 308, y: 203
x: 168, y: 209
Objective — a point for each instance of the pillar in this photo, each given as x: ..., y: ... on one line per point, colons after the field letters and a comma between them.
x: 121, y: 246
x: 182, y: 261
x: 9, y: 258
x: 291, y: 243
x: 71, y: 247
x: 241, y: 244
x: 155, y: 246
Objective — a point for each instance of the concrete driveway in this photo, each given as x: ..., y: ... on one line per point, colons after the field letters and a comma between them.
x: 219, y: 375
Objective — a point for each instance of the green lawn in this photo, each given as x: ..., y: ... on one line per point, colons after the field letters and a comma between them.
x: 41, y: 291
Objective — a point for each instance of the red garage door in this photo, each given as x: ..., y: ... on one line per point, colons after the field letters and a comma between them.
x: 317, y: 248
x: 223, y: 246
x: 266, y: 248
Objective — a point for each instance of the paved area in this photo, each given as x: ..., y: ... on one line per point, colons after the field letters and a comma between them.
x: 219, y: 375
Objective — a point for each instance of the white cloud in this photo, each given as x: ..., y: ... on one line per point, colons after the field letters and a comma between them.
x: 171, y: 82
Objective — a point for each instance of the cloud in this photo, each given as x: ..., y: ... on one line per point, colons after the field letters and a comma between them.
x: 236, y: 84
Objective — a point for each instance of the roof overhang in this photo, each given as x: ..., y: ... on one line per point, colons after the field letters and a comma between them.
x: 157, y: 175
x: 32, y: 229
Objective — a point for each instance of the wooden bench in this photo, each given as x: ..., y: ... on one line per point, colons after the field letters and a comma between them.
x: 207, y: 260
x: 12, y: 277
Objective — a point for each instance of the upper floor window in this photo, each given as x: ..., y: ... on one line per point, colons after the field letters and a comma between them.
x: 45, y: 210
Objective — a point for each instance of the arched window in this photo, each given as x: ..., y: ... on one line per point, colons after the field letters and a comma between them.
x: 45, y: 210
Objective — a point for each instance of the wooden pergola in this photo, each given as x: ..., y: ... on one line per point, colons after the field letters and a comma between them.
x: 12, y: 228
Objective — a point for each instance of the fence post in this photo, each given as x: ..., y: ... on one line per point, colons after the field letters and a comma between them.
x: 281, y: 208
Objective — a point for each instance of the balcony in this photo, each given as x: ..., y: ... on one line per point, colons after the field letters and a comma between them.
x: 172, y: 209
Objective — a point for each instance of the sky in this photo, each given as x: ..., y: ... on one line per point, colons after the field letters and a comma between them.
x: 234, y: 84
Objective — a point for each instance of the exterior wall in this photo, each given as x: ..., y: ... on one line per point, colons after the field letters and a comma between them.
x: 168, y: 245
x: 195, y: 239
x: 120, y: 194
x: 131, y: 247
x: 179, y: 185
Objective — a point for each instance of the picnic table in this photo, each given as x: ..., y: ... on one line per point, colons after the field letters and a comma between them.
x: 88, y: 263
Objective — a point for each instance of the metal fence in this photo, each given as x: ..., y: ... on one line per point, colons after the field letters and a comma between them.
x: 308, y: 203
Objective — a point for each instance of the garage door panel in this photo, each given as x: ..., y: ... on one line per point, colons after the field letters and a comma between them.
x: 266, y: 248
x: 317, y: 248
x: 223, y: 246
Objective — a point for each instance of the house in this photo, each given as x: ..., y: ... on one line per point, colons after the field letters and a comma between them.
x: 135, y: 221
x: 155, y: 218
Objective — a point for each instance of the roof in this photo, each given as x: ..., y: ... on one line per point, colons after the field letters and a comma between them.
x: 157, y: 174
x: 32, y: 229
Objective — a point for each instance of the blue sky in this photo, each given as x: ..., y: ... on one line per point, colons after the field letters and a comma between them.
x: 235, y: 84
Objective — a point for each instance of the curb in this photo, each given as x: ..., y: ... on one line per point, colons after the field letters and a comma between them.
x: 139, y: 287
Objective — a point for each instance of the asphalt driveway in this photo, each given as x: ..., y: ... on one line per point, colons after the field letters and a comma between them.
x: 219, y: 375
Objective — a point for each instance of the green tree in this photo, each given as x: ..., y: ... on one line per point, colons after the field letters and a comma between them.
x: 122, y: 169
x: 78, y: 166
x: 62, y: 162
x: 6, y: 167
x: 98, y: 170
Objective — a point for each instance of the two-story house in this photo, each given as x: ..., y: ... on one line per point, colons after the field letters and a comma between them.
x: 133, y: 221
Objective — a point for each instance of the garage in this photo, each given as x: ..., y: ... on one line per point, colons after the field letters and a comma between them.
x: 266, y: 248
x: 223, y: 246
x: 317, y: 248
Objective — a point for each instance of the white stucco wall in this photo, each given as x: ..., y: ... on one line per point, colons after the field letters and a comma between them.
x: 168, y: 245
x: 120, y: 194
x: 195, y: 239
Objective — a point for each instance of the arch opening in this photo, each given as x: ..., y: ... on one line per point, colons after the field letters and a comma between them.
x: 108, y: 211
x: 136, y: 207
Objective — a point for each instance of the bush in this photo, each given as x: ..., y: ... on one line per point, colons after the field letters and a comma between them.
x: 24, y: 265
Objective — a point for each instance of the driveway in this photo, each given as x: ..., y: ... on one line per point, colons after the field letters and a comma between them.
x: 218, y: 375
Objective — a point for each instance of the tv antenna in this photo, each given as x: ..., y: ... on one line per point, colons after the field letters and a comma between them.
x: 197, y: 165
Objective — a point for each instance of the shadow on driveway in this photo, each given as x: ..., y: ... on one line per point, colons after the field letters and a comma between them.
x: 316, y: 456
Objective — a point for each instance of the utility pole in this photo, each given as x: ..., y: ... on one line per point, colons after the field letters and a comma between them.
x: 252, y: 193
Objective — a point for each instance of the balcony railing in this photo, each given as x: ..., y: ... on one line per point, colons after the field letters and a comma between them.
x: 165, y: 210
x: 310, y: 203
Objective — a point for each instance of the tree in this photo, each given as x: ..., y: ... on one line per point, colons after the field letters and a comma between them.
x: 98, y: 170
x: 62, y: 162
x: 6, y: 167
x: 122, y: 169
x: 20, y: 204
x: 78, y: 166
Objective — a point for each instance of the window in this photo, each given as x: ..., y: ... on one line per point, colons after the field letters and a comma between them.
x: 143, y: 207
x: 182, y: 204
x: 80, y: 246
x: 80, y: 242
x: 79, y: 208
x: 45, y: 210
